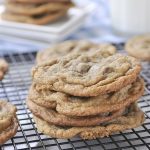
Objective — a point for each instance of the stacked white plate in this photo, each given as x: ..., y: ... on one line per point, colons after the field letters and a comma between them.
x: 52, y: 32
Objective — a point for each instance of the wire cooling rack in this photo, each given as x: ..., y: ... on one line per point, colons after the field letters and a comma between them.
x: 14, y: 88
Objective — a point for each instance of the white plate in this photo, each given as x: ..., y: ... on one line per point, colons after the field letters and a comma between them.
x: 51, y: 32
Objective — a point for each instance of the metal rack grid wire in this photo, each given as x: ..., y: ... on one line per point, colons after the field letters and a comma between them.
x: 14, y: 88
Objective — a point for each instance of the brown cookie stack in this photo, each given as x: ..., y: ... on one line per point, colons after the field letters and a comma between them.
x: 91, y: 92
x: 36, y: 11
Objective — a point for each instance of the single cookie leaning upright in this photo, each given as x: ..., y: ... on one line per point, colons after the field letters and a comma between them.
x: 62, y: 49
x: 139, y: 47
x: 87, y: 74
x: 8, y: 121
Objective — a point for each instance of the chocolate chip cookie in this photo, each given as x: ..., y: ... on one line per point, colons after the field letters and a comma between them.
x: 9, y: 132
x: 39, y: 20
x: 36, y: 9
x: 134, y: 118
x: 55, y: 118
x: 81, y: 106
x: 86, y: 89
x: 3, y: 68
x: 64, y: 48
x: 38, y: 1
x: 87, y: 74
x: 139, y: 47
x: 8, y: 121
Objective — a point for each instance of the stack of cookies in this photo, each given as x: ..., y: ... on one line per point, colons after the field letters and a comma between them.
x: 90, y: 94
x: 35, y: 11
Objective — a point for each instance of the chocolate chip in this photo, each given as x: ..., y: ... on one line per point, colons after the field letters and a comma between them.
x: 108, y: 70
x: 83, y: 67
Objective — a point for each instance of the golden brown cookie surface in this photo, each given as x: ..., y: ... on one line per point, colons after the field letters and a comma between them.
x: 8, y: 121
x: 39, y: 20
x: 64, y: 48
x: 55, y: 118
x: 9, y: 132
x: 7, y: 112
x: 87, y: 74
x: 32, y: 9
x: 80, y: 106
x: 134, y: 118
x: 3, y: 68
x: 37, y: 1
x: 139, y: 47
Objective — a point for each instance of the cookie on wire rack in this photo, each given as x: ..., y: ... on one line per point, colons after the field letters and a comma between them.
x: 8, y: 121
x: 139, y: 47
